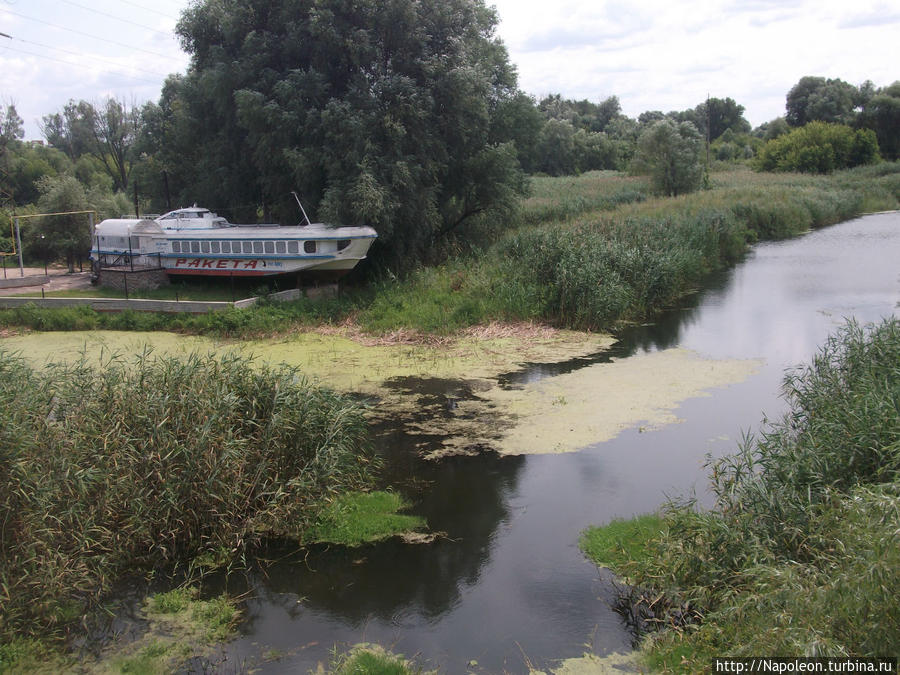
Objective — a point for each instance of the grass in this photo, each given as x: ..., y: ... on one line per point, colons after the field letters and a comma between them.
x: 366, y: 659
x: 144, y: 465
x: 801, y: 555
x: 621, y: 541
x: 357, y: 518
x: 213, y: 620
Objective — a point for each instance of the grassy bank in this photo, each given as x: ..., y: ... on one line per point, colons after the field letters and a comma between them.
x: 588, y: 252
x: 801, y: 554
x: 153, y: 463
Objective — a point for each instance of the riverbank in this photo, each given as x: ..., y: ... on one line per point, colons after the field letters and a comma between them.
x: 801, y: 554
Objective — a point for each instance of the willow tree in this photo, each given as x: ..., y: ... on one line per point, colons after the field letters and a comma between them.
x: 378, y: 112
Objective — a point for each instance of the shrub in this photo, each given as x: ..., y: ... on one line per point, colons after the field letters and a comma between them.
x: 819, y: 147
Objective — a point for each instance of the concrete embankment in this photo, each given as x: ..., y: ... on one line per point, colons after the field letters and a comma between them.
x: 172, y: 306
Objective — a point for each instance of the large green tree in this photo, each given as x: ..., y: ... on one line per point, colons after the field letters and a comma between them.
x: 881, y: 114
x: 817, y: 99
x: 392, y: 113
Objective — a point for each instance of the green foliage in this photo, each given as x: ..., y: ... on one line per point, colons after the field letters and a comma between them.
x: 147, y: 464
x: 816, y: 99
x: 881, y: 113
x: 357, y: 518
x: 67, y: 236
x: 802, y: 552
x: 12, y: 126
x: 107, y: 133
x: 719, y: 115
x: 819, y: 147
x: 383, y: 114
x: 670, y: 154
x: 563, y: 150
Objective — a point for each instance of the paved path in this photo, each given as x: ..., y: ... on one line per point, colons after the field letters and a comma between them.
x: 60, y: 280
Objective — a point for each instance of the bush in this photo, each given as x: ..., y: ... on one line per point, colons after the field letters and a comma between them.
x: 819, y: 147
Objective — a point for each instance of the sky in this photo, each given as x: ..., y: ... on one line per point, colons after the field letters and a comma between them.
x: 652, y: 54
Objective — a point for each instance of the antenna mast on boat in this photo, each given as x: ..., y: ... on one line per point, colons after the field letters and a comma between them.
x: 302, y: 210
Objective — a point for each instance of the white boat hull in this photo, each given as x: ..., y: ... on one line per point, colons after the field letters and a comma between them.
x: 241, y: 251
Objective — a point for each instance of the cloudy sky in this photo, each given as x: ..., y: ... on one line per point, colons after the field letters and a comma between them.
x: 652, y: 54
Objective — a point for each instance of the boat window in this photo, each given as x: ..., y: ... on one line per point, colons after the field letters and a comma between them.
x: 270, y: 247
x: 342, y: 244
x: 279, y: 247
x: 257, y: 247
x: 293, y: 247
x: 248, y: 246
x: 309, y: 246
x: 176, y: 247
x: 214, y: 246
x: 195, y: 247
x: 226, y: 247
x: 204, y: 246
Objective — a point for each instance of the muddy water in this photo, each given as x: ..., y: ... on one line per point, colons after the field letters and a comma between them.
x: 506, y: 588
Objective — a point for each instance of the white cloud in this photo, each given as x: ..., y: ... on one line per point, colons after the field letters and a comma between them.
x: 657, y: 55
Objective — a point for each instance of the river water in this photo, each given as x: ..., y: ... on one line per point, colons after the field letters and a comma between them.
x: 507, y: 588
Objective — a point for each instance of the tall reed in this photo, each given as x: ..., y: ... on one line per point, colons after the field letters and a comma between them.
x: 142, y: 464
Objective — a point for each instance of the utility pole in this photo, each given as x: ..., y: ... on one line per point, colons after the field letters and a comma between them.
x: 707, y: 132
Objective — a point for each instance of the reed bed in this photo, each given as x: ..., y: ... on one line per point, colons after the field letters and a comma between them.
x: 567, y: 197
x: 603, y: 268
x: 801, y: 555
x: 152, y: 463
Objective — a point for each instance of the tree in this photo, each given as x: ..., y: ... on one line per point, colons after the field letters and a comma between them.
x: 723, y: 115
x: 824, y: 100
x: 819, y: 147
x: 376, y: 112
x: 107, y: 133
x: 881, y: 113
x: 670, y: 153
x: 11, y: 125
x: 66, y: 236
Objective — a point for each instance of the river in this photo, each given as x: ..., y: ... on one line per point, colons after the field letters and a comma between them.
x: 507, y: 588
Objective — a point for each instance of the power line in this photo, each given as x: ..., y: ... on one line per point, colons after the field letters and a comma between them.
x: 93, y: 37
x: 149, y: 9
x: 85, y: 56
x: 116, y: 18
x: 78, y: 65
